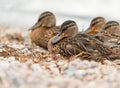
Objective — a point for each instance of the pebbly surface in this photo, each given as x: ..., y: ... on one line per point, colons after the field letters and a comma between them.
x: 23, y: 65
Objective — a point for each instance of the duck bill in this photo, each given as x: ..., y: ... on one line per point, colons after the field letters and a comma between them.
x: 57, y: 38
x: 91, y: 31
x: 86, y: 30
x: 36, y: 25
x: 100, y: 33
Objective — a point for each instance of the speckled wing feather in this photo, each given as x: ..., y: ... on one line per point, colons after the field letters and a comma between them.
x: 104, y: 50
x: 92, y: 43
x: 71, y: 46
x: 49, y: 34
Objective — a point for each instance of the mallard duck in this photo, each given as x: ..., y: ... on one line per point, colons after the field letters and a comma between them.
x: 95, y: 26
x: 44, y: 29
x: 110, y: 34
x: 69, y: 42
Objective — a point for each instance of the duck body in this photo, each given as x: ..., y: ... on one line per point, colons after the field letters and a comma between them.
x: 80, y: 43
x: 66, y: 47
x: 110, y: 34
x: 40, y: 36
x: 44, y: 29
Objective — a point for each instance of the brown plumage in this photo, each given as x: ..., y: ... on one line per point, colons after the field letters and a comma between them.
x: 110, y: 33
x: 44, y: 29
x: 69, y: 42
x: 95, y: 25
x: 110, y: 36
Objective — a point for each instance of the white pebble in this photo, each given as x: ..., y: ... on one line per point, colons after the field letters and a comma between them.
x: 17, y: 46
x: 24, y: 50
x: 1, y: 50
x: 80, y: 73
x: 4, y: 64
x: 36, y: 67
x: 61, y: 63
x: 10, y: 59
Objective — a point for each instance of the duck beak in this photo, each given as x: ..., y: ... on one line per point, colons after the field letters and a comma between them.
x: 100, y: 33
x: 36, y: 25
x: 86, y: 30
x: 91, y: 30
x: 58, y: 37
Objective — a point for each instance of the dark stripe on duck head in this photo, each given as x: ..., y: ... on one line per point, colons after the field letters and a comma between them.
x: 111, y: 24
x: 44, y: 15
x: 96, y: 21
x: 67, y: 24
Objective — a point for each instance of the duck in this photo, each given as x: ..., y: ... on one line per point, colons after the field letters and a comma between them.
x: 110, y: 34
x: 96, y: 25
x: 44, y: 29
x: 70, y: 42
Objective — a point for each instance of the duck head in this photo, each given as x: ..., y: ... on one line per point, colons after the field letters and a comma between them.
x: 46, y: 19
x: 96, y: 25
x: 68, y: 29
x: 111, y: 28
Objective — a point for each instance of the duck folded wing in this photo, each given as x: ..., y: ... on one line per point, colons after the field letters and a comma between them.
x: 104, y: 50
x: 72, y: 46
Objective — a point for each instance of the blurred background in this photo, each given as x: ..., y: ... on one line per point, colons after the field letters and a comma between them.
x: 24, y: 13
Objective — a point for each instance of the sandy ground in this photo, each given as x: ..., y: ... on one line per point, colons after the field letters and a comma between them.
x: 23, y: 65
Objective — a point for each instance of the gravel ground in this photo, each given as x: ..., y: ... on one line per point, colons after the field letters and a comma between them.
x: 23, y: 65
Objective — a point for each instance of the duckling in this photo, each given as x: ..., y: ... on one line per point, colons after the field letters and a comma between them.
x: 44, y: 29
x: 110, y: 34
x: 95, y: 26
x: 69, y: 42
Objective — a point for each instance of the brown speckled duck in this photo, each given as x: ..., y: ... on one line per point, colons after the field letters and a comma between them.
x: 95, y: 26
x: 69, y: 42
x: 110, y: 34
x: 44, y: 29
